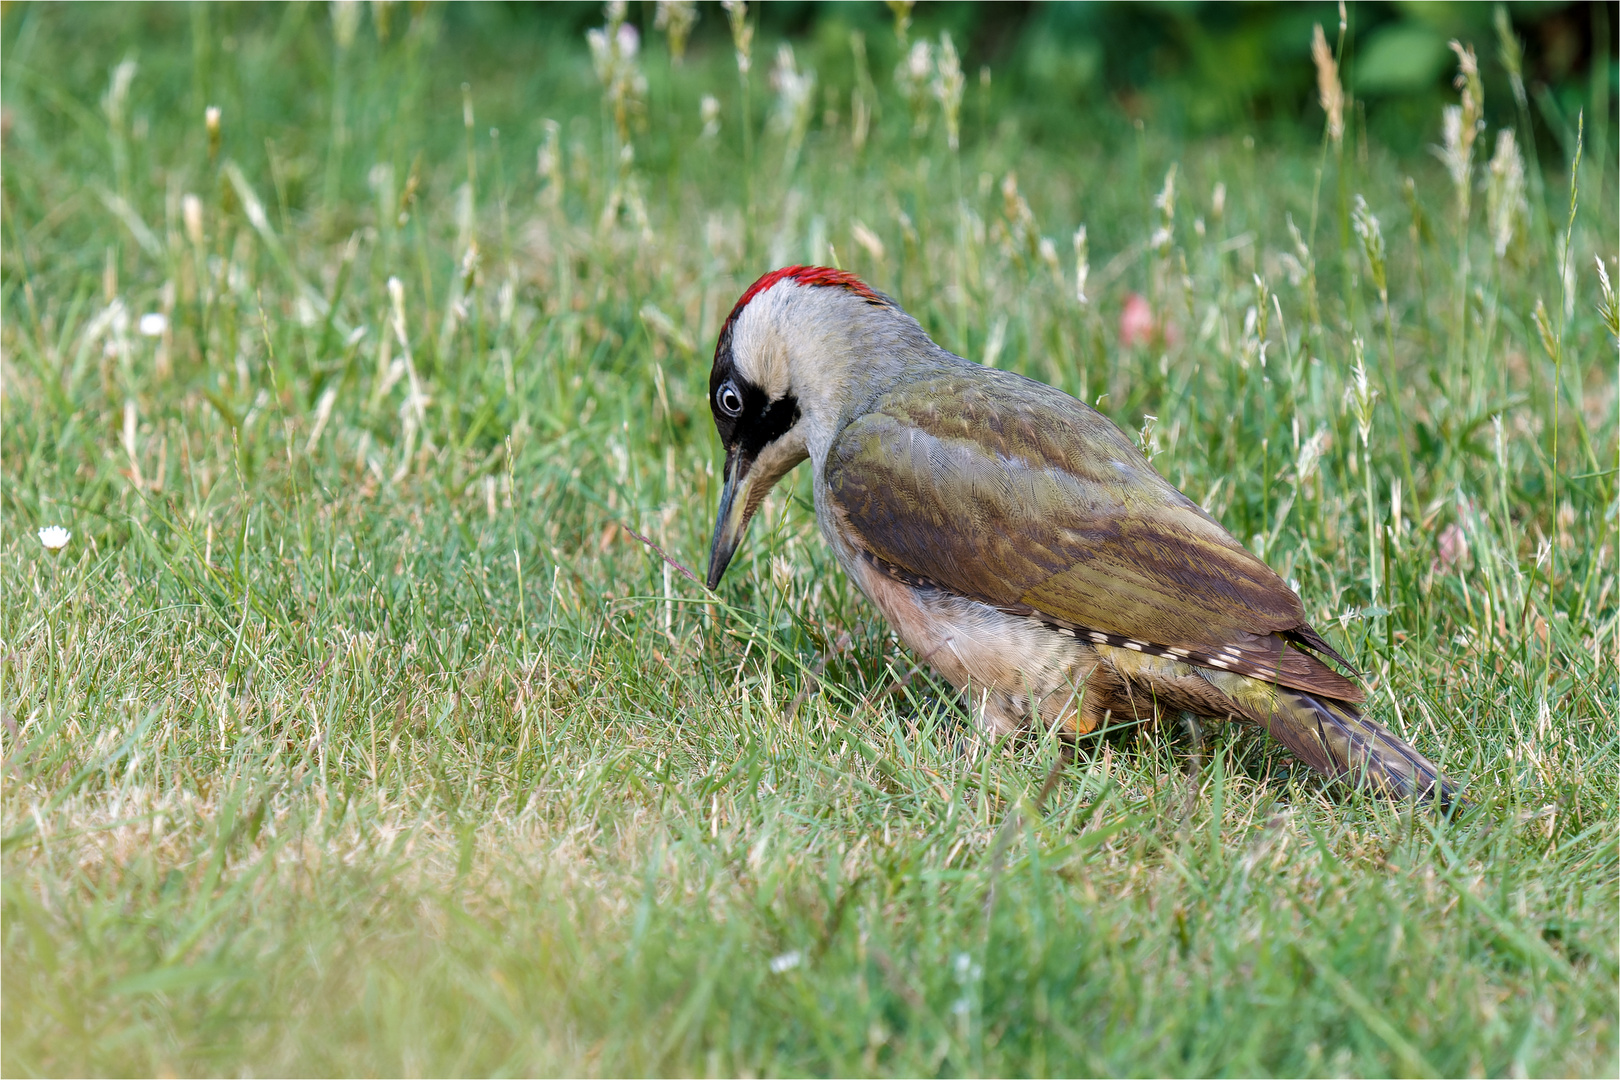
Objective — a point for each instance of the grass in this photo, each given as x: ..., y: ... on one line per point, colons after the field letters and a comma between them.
x: 355, y: 732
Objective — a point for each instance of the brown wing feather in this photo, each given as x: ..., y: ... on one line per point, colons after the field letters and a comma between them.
x: 1051, y: 510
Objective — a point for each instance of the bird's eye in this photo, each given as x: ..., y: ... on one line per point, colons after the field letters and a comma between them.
x: 729, y: 400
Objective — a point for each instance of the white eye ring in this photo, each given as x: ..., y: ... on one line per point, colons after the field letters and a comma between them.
x: 729, y: 400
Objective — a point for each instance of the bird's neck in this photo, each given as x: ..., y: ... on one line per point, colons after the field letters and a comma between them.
x: 852, y: 364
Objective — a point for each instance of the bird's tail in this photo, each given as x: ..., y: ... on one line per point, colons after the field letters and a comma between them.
x: 1334, y: 738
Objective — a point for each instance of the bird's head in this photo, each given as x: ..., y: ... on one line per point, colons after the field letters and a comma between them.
x: 787, y: 358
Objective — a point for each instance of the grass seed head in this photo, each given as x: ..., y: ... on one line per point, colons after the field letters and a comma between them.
x: 709, y: 114
x: 1505, y: 204
x: 795, y: 97
x: 902, y: 19
x: 1544, y: 330
x: 1165, y: 201
x: 1361, y: 391
x: 613, y: 55
x: 211, y: 119
x: 742, y: 34
x: 1606, y: 306
x: 191, y: 212
x: 948, y: 85
x: 1082, y: 264
x: 1461, y: 124
x: 912, y: 76
x: 117, y: 100
x: 548, y: 162
x: 1511, y: 53
x: 1329, y: 91
x: 345, y: 22
x: 676, y: 19
x: 1372, y: 244
x: 1310, y: 455
x: 868, y: 240
x: 1049, y: 256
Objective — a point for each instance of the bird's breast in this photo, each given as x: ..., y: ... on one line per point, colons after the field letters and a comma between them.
x: 973, y: 645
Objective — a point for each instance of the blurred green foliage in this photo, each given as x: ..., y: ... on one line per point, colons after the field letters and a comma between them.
x: 1201, y: 67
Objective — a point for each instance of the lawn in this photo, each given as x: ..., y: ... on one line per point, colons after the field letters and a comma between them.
x: 369, y: 722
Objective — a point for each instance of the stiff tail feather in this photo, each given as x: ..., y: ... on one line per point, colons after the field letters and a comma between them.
x: 1333, y: 737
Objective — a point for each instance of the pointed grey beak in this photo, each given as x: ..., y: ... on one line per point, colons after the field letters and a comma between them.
x: 732, y: 518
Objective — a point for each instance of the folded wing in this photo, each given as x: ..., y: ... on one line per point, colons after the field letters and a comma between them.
x: 1011, y: 492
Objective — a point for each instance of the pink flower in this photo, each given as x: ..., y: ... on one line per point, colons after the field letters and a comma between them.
x: 629, y: 41
x: 1136, y: 325
x: 1453, y: 548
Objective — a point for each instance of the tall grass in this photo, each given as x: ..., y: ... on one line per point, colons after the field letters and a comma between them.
x: 360, y: 726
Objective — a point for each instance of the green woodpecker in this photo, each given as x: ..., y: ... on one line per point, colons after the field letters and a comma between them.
x: 1016, y: 540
